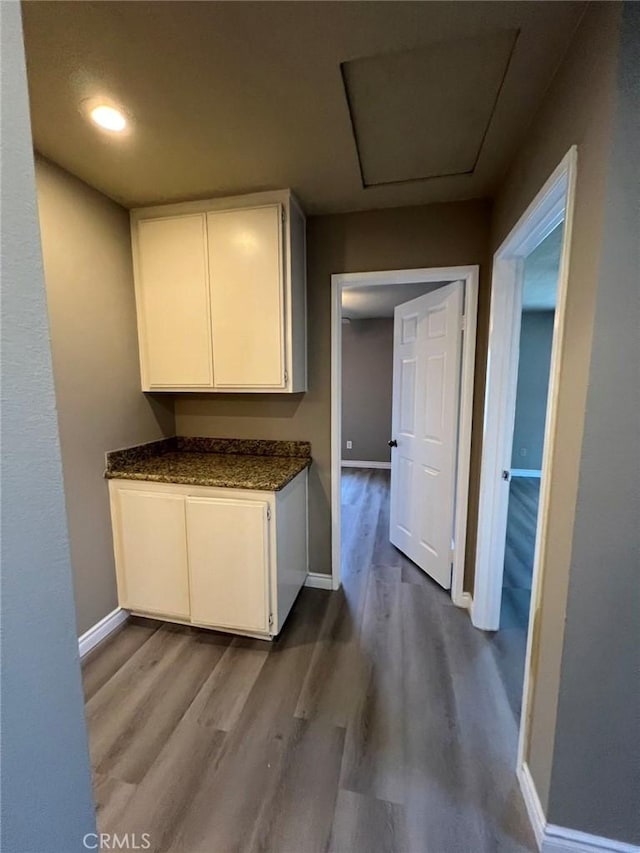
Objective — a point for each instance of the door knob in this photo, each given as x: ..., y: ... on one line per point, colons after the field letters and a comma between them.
x: 392, y: 443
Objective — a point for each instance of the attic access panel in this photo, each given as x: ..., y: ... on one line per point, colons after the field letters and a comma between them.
x: 424, y: 113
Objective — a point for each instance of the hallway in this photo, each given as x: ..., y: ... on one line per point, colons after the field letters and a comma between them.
x: 377, y: 722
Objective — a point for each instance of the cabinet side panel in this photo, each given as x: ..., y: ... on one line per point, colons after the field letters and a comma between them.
x: 151, y: 552
x: 228, y: 563
x: 292, y: 547
x: 173, y: 300
x: 298, y: 301
x: 247, y: 297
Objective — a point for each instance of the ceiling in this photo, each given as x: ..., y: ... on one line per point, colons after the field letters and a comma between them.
x: 233, y: 97
x: 373, y: 301
x: 390, y: 95
x: 541, y: 274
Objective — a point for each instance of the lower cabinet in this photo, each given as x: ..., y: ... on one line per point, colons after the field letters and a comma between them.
x: 153, y: 552
x: 228, y: 559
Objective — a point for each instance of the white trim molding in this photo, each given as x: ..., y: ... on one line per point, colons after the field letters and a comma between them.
x: 526, y: 472
x: 436, y: 275
x: 356, y: 463
x: 465, y: 600
x: 316, y: 580
x: 560, y: 839
x: 554, y: 203
x: 532, y: 803
x: 101, y: 630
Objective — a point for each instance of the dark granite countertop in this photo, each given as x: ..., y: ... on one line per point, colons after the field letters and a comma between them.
x: 229, y: 463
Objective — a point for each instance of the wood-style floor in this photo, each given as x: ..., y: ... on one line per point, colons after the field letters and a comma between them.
x: 376, y: 723
x: 510, y: 642
x: 522, y: 517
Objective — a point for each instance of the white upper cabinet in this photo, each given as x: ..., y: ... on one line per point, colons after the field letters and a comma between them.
x: 221, y: 294
x: 247, y: 297
x: 173, y: 302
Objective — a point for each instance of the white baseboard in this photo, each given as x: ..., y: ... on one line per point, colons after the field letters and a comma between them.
x: 465, y: 600
x: 560, y: 839
x: 355, y: 463
x: 526, y: 472
x: 318, y: 581
x: 532, y: 803
x: 107, y: 625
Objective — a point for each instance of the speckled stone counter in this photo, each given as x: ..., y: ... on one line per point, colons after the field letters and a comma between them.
x: 260, y: 465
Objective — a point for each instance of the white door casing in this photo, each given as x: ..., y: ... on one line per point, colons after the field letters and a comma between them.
x: 552, y: 205
x: 426, y: 394
x: 426, y: 275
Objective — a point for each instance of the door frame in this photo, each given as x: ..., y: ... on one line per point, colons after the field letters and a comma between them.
x: 554, y: 203
x: 340, y: 281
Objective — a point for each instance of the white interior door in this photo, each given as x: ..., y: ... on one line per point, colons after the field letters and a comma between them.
x: 426, y: 391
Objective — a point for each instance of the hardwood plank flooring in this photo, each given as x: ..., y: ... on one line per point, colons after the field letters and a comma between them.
x: 524, y: 496
x: 377, y: 723
x: 510, y: 642
x: 373, y: 762
x: 103, y: 662
x: 364, y: 824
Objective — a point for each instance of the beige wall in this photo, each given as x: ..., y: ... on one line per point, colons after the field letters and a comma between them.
x: 367, y: 386
x: 87, y: 261
x: 432, y: 235
x: 576, y: 110
x: 595, y: 784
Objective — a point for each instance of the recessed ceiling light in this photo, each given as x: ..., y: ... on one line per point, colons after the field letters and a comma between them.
x: 109, y: 118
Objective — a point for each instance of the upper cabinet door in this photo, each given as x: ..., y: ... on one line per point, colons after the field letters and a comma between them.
x: 246, y: 273
x: 173, y: 302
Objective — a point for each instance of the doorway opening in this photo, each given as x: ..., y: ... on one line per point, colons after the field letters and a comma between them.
x: 539, y: 294
x: 434, y: 315
x: 539, y: 241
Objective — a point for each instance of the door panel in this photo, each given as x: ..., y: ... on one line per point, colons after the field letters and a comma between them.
x: 429, y: 527
x: 174, y: 291
x: 437, y: 323
x: 247, y: 297
x: 426, y: 380
x: 409, y: 328
x: 434, y: 399
x: 152, y: 553
x: 403, y: 498
x: 407, y: 396
x: 228, y: 549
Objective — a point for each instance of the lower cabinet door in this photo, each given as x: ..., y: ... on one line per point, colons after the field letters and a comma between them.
x: 152, y: 553
x: 228, y: 554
